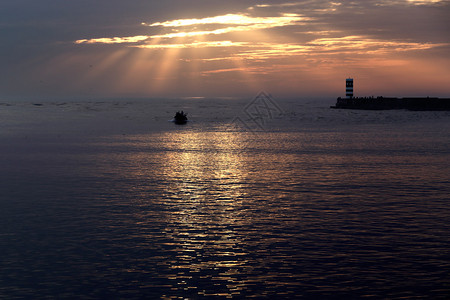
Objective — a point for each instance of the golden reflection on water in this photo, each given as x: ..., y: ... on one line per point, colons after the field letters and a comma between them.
x: 196, y: 160
x: 205, y: 173
x: 204, y: 178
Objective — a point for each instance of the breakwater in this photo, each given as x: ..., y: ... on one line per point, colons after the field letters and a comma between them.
x: 383, y: 103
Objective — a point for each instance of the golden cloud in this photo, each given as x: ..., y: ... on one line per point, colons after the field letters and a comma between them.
x: 242, y: 22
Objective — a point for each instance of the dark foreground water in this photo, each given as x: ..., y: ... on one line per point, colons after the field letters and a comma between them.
x: 109, y: 200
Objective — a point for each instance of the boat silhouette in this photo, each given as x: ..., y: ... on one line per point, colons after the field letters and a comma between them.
x: 180, y: 118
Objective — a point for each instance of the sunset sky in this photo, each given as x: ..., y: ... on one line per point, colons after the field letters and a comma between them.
x: 175, y: 48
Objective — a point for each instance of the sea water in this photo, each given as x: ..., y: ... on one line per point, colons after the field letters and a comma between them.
x: 277, y: 199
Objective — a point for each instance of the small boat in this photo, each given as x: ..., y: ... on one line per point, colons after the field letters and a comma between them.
x: 180, y: 118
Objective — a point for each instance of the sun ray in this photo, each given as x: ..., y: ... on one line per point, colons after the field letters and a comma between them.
x: 165, y: 70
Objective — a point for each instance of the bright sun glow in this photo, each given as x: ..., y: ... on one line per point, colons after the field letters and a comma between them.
x: 236, y: 19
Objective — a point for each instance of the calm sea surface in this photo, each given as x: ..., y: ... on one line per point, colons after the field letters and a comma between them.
x: 110, y: 200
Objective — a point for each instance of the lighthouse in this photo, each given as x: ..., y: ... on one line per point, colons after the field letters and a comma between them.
x: 349, y: 88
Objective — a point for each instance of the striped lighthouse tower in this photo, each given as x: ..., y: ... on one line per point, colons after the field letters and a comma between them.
x: 349, y: 88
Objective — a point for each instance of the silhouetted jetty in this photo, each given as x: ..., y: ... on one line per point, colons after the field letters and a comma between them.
x: 383, y: 103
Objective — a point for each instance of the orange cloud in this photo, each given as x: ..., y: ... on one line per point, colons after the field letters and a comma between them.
x: 424, y: 2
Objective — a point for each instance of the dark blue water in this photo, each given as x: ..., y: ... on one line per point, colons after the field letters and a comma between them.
x: 99, y: 201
